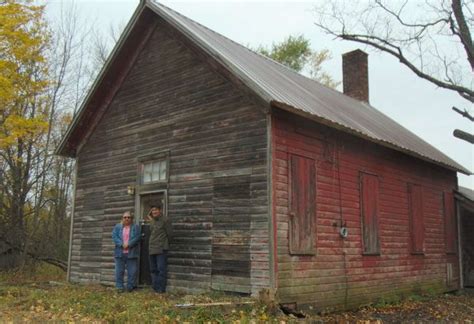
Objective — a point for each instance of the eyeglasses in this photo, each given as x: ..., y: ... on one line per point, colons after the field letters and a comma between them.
x: 125, y: 217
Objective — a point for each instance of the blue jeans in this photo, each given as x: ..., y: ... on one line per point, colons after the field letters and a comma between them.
x: 124, y: 263
x: 158, y: 269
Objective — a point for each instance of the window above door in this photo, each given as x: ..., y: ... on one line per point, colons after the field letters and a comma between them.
x: 153, y: 169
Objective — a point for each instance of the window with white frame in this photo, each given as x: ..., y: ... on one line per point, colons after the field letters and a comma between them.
x: 154, y: 171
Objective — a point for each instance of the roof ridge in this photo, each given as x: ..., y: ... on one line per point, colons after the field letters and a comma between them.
x: 343, y: 110
x: 155, y: 2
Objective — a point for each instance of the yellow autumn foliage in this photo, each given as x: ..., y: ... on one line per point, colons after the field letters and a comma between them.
x: 24, y: 128
x: 23, y: 71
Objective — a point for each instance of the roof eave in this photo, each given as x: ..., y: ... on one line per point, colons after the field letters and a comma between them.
x: 345, y: 129
x: 64, y: 149
x: 268, y: 98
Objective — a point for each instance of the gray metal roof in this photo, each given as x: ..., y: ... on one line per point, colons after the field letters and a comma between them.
x: 277, y: 84
x: 467, y: 193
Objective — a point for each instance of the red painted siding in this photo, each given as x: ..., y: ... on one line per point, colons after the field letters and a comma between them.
x: 339, y: 274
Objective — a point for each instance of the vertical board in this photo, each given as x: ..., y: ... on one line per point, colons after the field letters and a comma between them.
x: 302, y: 204
x: 417, y: 227
x: 467, y: 243
x: 449, y: 222
x: 369, y: 196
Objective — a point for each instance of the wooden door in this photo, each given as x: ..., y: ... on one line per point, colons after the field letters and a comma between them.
x: 302, y: 204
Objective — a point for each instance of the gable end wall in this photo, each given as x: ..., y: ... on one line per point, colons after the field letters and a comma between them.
x: 216, y: 136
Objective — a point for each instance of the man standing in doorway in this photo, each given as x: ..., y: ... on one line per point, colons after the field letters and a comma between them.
x: 160, y: 236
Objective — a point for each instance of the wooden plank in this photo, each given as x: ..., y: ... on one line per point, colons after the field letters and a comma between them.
x: 369, y: 187
x: 302, y: 204
x: 450, y: 222
x: 417, y: 227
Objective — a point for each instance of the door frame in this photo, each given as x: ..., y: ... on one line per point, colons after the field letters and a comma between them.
x: 164, y: 208
x: 139, y: 213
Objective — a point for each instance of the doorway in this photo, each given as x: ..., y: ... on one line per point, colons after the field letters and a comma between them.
x: 465, y: 216
x: 145, y: 201
x: 467, y: 244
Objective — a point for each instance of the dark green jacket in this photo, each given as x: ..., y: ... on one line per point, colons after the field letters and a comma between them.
x: 160, y: 235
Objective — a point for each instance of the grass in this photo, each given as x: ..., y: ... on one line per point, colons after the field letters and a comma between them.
x: 27, y: 295
x: 38, y: 272
x: 40, y: 294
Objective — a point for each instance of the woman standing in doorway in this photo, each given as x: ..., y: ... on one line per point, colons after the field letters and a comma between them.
x: 126, y: 236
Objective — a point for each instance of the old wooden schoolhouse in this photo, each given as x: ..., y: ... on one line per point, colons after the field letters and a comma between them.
x: 272, y: 181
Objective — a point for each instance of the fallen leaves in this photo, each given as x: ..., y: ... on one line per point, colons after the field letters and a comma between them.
x: 40, y: 302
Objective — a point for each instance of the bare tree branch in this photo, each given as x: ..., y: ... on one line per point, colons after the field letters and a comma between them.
x: 464, y: 31
x: 464, y: 113
x: 397, y: 16
x: 427, y: 41
x: 464, y: 136
x: 466, y: 93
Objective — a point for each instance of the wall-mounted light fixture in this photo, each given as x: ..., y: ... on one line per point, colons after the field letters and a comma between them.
x: 131, y: 190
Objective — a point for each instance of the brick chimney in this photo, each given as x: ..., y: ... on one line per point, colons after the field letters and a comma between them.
x: 355, y: 75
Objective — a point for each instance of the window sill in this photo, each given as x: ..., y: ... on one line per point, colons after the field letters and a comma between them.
x: 151, y: 187
x: 371, y: 253
x: 302, y: 253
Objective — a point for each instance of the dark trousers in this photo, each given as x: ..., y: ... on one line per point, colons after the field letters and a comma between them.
x: 159, y: 269
x: 122, y: 264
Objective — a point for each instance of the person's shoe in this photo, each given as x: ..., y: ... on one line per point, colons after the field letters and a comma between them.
x: 120, y: 290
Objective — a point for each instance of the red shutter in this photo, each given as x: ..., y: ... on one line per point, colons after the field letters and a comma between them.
x: 369, y: 188
x: 302, y: 204
x: 450, y: 222
x: 417, y: 227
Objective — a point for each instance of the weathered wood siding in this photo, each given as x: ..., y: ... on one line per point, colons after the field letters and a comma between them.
x: 467, y: 244
x: 173, y: 100
x: 339, y: 274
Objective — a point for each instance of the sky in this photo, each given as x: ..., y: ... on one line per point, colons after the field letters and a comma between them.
x: 397, y: 92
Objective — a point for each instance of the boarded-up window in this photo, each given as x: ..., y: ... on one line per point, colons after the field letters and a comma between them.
x: 302, y: 204
x: 369, y: 197
x: 417, y: 228
x: 450, y: 222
